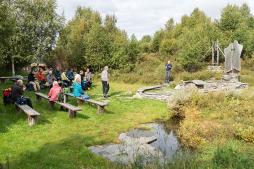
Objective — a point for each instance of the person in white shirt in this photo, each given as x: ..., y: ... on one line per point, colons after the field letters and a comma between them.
x: 105, y: 81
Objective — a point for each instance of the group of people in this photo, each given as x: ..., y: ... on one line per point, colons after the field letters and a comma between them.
x: 42, y: 77
x: 57, y: 82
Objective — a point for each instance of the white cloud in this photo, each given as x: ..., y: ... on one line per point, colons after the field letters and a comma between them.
x: 141, y: 17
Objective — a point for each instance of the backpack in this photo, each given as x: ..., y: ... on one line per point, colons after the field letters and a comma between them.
x: 7, y: 92
x: 66, y: 90
x: 21, y: 101
x: 85, y: 97
x: 7, y: 96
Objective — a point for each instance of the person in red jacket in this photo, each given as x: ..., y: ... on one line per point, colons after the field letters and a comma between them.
x: 40, y: 76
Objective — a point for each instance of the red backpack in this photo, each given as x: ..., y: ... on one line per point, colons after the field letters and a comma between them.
x: 7, y: 92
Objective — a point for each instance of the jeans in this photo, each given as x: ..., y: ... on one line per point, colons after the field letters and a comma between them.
x: 105, y: 88
x: 167, y: 77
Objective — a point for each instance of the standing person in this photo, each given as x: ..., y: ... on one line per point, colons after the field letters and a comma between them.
x: 168, y: 68
x: 88, y: 78
x: 105, y: 81
x: 33, y: 82
x: 17, y: 91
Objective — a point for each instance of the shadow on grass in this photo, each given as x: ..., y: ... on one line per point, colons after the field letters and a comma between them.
x: 9, y: 116
x: 69, y: 153
x: 112, y: 94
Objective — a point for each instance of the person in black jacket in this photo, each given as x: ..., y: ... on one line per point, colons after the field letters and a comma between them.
x: 32, y: 81
x: 57, y: 74
x: 17, y: 93
x: 168, y: 68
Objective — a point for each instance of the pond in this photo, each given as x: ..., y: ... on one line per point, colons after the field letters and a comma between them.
x: 152, y: 142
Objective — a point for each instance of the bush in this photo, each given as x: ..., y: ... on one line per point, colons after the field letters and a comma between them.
x: 191, y: 134
x: 244, y: 132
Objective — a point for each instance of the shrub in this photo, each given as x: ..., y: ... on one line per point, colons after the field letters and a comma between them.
x: 244, y: 132
x: 190, y: 134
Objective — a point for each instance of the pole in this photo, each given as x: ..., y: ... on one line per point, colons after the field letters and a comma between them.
x: 218, y: 52
x: 12, y: 66
x: 213, y: 54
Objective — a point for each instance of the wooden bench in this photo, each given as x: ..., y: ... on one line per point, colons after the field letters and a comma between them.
x: 13, y: 78
x: 100, y: 105
x: 31, y: 113
x: 71, y: 109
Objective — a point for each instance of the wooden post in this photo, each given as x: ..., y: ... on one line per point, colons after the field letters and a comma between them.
x: 31, y: 120
x: 3, y: 80
x: 38, y: 98
x: 12, y: 66
x: 100, y: 109
x: 72, y: 114
x: 65, y: 98
x: 213, y: 54
x: 218, y: 52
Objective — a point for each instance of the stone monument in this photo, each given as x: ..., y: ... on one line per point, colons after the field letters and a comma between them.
x: 232, y: 61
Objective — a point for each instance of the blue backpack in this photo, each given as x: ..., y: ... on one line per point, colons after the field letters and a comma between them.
x: 85, y: 97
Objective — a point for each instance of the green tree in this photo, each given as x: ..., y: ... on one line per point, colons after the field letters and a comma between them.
x: 35, y: 29
x: 6, y: 31
x: 198, y: 33
x: 236, y: 23
x: 145, y: 44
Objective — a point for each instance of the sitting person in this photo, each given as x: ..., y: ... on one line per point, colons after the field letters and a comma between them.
x: 17, y: 91
x: 77, y: 88
x: 54, y: 92
x: 70, y: 75
x: 33, y: 82
x: 57, y: 74
x: 50, y: 78
x: 41, y: 77
x: 83, y: 82
x: 65, y: 79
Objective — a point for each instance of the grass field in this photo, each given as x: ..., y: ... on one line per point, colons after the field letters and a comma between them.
x: 217, y: 129
x: 59, y: 142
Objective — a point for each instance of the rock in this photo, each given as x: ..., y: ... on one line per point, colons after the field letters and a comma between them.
x: 142, y: 140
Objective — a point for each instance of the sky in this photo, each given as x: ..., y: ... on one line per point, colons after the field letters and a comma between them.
x: 144, y: 17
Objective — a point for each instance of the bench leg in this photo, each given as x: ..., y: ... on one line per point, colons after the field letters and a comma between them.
x: 72, y: 114
x: 51, y: 105
x: 31, y: 120
x: 65, y: 98
x: 80, y: 102
x: 17, y: 109
x: 38, y: 98
x: 100, y: 109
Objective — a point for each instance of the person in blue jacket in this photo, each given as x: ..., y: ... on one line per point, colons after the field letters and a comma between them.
x: 77, y: 88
